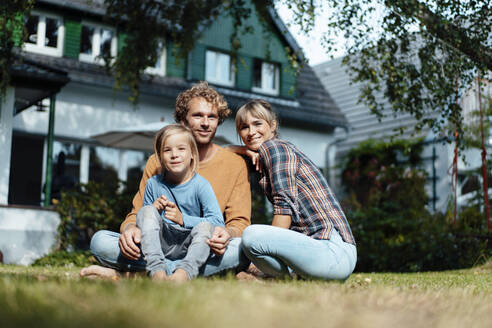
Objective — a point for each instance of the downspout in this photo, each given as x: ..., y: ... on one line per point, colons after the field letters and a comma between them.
x: 327, y: 153
x: 49, y: 156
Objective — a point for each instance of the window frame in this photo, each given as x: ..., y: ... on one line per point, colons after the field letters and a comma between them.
x: 41, y: 35
x: 232, y: 74
x: 161, y: 71
x: 94, y: 57
x: 264, y: 89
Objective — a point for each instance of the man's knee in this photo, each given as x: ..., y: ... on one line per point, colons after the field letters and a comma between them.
x: 102, y: 243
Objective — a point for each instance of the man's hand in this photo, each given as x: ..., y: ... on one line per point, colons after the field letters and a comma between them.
x: 129, y: 239
x: 161, y: 203
x: 219, y: 241
x: 173, y: 213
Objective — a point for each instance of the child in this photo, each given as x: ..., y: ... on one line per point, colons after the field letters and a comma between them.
x: 180, y: 209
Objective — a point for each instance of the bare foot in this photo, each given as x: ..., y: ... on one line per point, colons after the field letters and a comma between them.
x: 179, y: 276
x: 99, y: 272
x: 160, y: 276
x: 246, y: 276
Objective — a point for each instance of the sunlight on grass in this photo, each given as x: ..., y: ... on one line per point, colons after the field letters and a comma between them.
x: 57, y: 297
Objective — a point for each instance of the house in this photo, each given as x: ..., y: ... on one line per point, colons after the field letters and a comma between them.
x: 65, y: 40
x: 438, y: 156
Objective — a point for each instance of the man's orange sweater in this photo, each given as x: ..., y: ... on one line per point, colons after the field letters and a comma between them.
x: 228, y: 175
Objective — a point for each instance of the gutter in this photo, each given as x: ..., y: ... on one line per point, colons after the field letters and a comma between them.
x: 347, y: 130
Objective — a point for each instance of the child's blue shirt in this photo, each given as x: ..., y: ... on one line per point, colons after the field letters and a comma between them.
x: 195, y: 198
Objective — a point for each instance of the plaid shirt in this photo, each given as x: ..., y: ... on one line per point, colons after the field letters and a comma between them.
x: 296, y: 187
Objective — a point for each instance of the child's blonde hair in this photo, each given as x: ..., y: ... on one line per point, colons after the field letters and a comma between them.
x: 259, y: 108
x: 170, y: 130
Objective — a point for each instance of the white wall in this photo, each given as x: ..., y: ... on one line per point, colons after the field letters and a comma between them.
x: 83, y: 111
x: 27, y: 234
x: 313, y: 144
x: 6, y: 114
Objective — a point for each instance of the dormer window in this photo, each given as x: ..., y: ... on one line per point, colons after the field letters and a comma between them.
x: 265, y: 77
x: 97, y: 42
x: 218, y: 68
x: 44, y: 34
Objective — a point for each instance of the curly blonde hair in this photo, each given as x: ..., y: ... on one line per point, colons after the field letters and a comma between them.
x: 202, y: 90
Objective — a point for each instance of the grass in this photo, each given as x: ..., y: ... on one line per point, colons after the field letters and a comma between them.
x: 57, y: 297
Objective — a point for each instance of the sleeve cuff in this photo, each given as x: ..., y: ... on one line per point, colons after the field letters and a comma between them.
x: 278, y: 210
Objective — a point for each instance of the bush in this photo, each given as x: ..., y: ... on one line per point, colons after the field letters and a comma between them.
x: 65, y: 258
x: 386, y: 207
x: 92, y: 207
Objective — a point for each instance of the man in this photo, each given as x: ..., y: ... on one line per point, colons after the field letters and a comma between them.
x: 202, y: 110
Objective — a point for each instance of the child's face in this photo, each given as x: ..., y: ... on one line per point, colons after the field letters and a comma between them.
x: 176, y: 155
x: 255, y: 131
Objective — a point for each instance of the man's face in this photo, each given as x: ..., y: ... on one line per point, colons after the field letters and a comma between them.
x: 202, y: 118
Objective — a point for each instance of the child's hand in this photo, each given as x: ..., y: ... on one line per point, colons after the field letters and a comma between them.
x: 160, y: 203
x: 173, y: 213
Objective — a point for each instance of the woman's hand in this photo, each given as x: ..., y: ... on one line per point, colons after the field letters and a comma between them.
x: 253, y: 155
x: 173, y: 213
x: 160, y: 203
x: 255, y: 159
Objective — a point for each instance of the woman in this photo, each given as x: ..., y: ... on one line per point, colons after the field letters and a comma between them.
x: 309, y: 235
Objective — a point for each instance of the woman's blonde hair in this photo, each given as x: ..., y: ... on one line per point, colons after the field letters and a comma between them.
x: 170, y: 130
x: 258, y: 108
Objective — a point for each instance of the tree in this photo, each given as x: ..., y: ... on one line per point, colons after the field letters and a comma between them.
x: 422, y: 55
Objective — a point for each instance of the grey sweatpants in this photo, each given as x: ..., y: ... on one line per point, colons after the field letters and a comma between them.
x: 162, y: 240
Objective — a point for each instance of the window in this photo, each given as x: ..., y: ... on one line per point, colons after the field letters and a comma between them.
x: 265, y: 77
x: 160, y: 65
x: 97, y: 42
x: 45, y: 34
x: 218, y: 68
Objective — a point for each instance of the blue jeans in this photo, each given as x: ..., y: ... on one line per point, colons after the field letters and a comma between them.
x: 162, y: 240
x: 277, y: 251
x: 105, y: 248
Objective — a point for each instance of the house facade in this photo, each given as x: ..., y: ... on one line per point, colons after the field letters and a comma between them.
x: 437, y: 156
x: 68, y: 38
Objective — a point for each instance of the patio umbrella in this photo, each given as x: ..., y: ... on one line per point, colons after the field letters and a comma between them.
x: 139, y: 137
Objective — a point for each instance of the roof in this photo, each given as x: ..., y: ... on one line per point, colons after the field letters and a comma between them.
x: 34, y: 81
x: 313, y: 106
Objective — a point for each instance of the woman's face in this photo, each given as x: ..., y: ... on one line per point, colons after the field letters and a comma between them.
x: 255, y: 131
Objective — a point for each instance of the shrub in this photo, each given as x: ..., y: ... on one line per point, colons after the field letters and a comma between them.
x: 386, y: 207
x: 65, y: 258
x: 92, y: 207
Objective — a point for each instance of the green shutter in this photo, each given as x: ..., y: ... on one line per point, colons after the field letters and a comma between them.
x: 198, y: 62
x: 121, y: 41
x: 73, y: 31
x: 18, y: 29
x: 287, y: 81
x: 175, y: 65
x: 244, y: 74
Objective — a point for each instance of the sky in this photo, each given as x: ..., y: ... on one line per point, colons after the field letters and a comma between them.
x: 311, y: 44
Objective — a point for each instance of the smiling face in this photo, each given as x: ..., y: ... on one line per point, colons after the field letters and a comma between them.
x: 255, y: 131
x: 176, y: 157
x: 202, y: 119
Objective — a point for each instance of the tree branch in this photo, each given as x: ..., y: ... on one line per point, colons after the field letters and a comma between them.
x: 446, y: 31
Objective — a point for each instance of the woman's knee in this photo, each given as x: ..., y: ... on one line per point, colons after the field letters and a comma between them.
x: 253, y: 235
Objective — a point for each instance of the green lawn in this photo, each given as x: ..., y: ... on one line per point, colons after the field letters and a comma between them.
x: 57, y: 297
